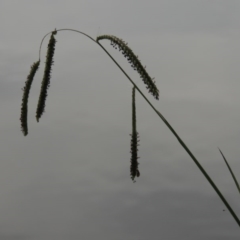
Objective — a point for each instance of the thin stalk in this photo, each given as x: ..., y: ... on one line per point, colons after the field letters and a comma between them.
x: 168, y: 125
x: 180, y: 141
x: 65, y: 29
x: 230, y: 170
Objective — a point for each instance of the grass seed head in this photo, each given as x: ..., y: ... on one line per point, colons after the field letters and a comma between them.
x: 118, y: 43
x: 26, y: 90
x: 46, y: 76
x: 134, y: 172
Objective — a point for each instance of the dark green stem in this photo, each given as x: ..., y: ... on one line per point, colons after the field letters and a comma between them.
x: 180, y: 141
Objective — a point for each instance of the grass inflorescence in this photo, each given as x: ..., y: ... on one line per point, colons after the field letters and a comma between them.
x: 46, y: 76
x: 134, y: 172
x: 26, y: 90
x: 136, y: 64
x: 118, y: 43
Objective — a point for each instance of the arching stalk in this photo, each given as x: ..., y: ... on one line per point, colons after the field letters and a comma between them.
x: 164, y: 120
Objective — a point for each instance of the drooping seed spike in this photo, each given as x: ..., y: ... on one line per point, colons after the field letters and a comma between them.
x: 134, y: 61
x: 134, y: 141
x: 46, y: 76
x: 26, y: 91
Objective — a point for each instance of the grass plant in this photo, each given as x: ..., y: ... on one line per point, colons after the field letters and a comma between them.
x: 151, y: 86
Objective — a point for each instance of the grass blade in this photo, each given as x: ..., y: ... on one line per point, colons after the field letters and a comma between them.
x: 230, y: 170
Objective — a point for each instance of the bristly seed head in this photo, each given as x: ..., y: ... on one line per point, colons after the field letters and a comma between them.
x: 133, y: 60
x: 46, y: 76
x: 134, y: 172
x: 26, y: 90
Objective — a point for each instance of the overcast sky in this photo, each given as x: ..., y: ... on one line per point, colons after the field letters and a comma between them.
x: 69, y: 178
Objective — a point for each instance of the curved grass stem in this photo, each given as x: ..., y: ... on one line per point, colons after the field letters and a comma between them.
x: 167, y: 124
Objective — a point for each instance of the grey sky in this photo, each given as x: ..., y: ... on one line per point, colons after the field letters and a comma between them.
x: 69, y: 178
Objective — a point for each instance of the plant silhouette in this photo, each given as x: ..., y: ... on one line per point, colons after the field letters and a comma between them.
x: 148, y: 81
